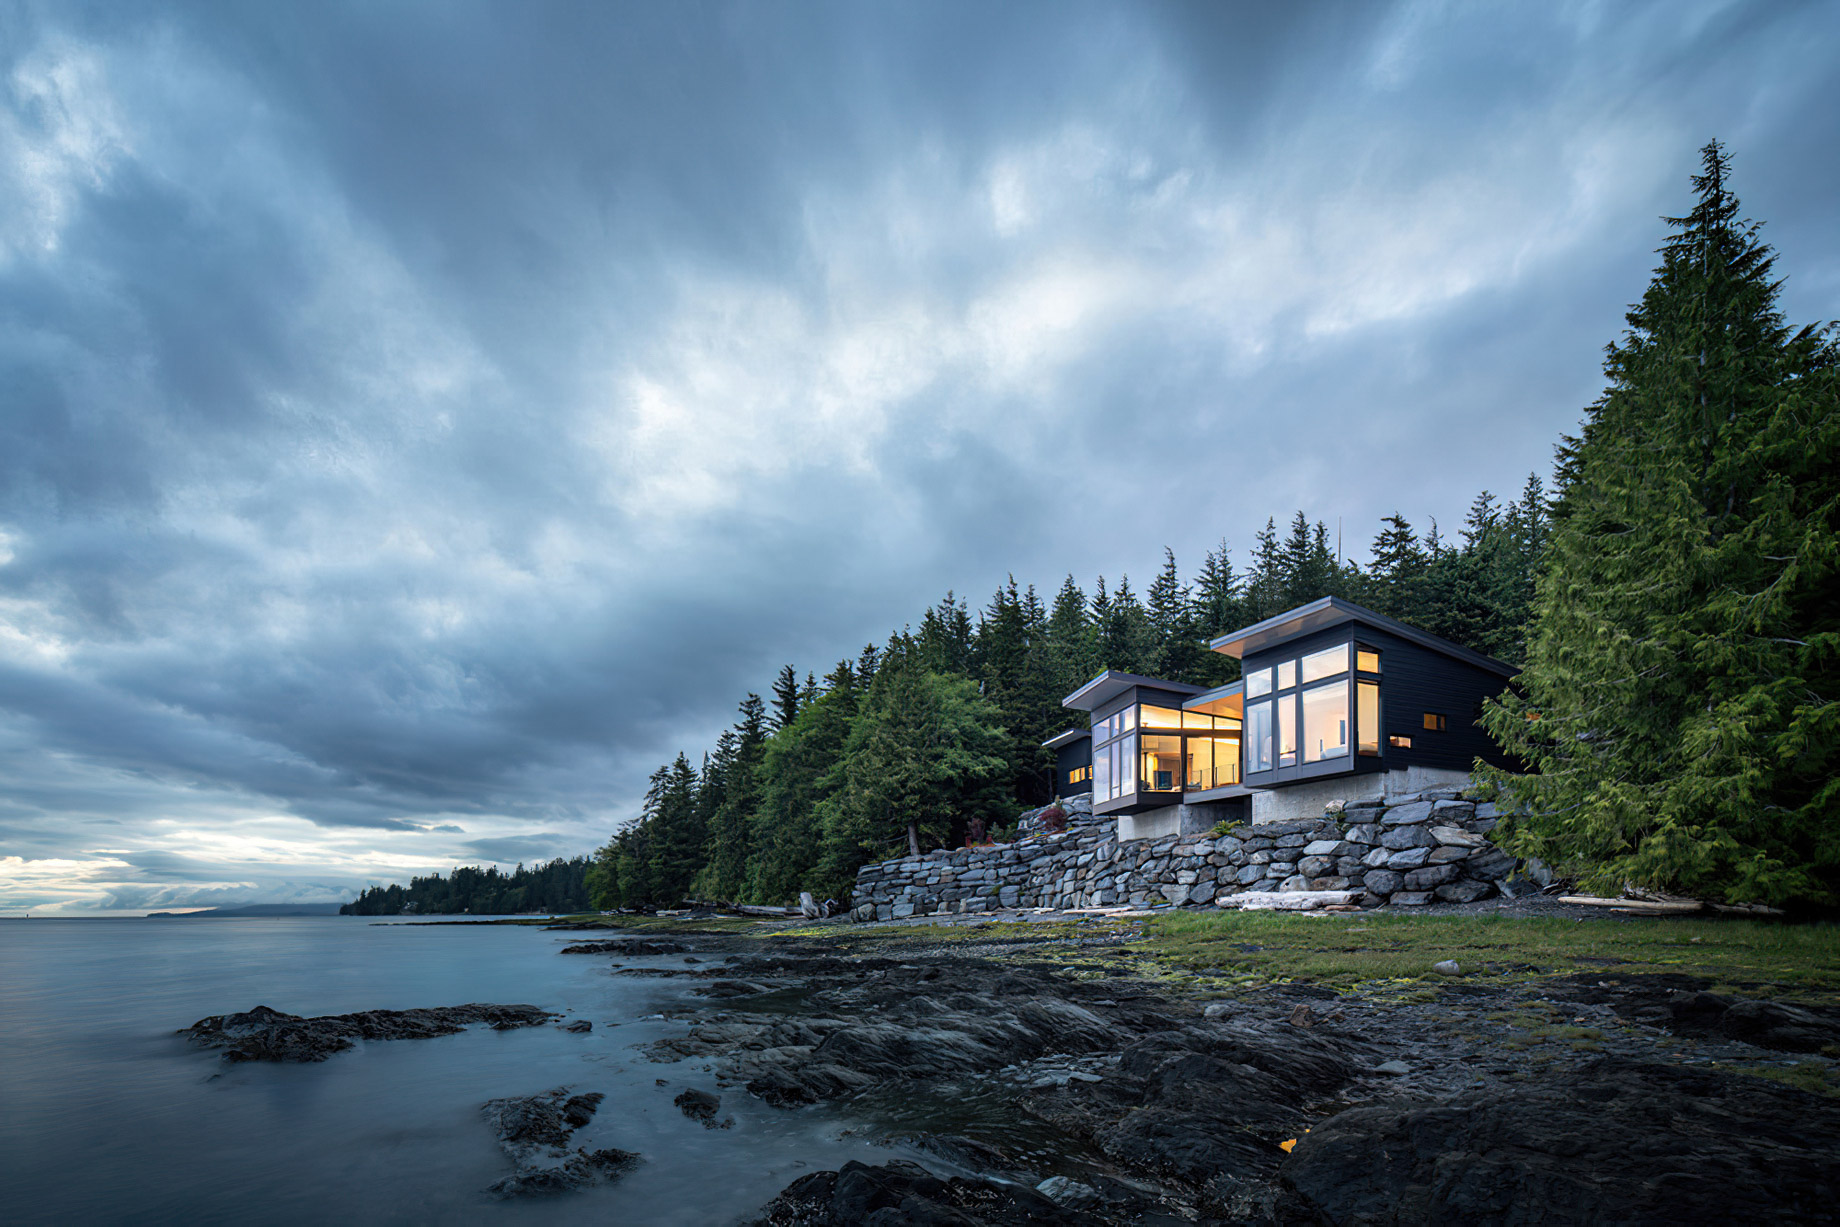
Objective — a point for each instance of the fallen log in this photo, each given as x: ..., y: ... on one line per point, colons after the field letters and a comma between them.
x: 1637, y: 906
x: 1290, y: 900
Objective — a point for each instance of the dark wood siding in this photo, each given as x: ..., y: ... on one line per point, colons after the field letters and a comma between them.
x: 1416, y: 680
x: 1067, y: 759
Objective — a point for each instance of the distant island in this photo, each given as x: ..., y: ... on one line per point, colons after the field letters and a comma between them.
x: 254, y: 909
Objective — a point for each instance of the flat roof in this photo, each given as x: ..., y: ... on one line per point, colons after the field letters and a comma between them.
x: 1068, y: 738
x: 1209, y: 696
x: 1334, y: 611
x: 1110, y: 684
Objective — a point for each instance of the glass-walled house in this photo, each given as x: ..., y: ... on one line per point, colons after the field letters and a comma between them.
x: 1334, y: 702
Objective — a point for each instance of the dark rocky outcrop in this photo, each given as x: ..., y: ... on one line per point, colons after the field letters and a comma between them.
x: 632, y: 947
x: 702, y: 1106
x: 537, y: 1133
x: 1620, y: 1142
x: 263, y: 1034
x: 1682, y: 1005
x: 903, y: 1194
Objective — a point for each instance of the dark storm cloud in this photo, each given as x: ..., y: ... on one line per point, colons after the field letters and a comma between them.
x: 416, y: 422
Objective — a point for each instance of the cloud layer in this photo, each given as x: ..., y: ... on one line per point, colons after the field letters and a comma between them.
x: 416, y: 425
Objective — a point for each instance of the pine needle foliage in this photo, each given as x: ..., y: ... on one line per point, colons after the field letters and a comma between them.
x: 1681, y: 699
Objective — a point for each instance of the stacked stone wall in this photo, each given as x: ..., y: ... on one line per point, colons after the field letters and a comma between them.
x: 1406, y: 851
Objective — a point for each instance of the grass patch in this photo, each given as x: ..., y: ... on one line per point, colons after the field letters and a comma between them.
x: 1271, y: 946
x: 1805, y: 1076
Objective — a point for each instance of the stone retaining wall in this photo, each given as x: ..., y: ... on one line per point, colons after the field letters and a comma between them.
x: 1402, y: 850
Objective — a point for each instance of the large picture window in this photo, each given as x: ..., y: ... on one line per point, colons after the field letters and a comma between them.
x: 1161, y: 769
x: 1258, y: 736
x: 1367, y: 716
x: 1287, y: 729
x: 1325, y: 721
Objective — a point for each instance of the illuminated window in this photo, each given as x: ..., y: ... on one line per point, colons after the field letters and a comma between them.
x: 1160, y: 718
x: 1366, y: 660
x: 1258, y: 682
x: 1287, y: 675
x: 1079, y: 775
x: 1326, y: 663
x: 1325, y: 721
x: 1258, y: 737
x: 1367, y: 717
x: 1287, y: 730
x: 1399, y: 743
x: 1436, y: 722
x: 1160, y: 768
x: 1213, y: 762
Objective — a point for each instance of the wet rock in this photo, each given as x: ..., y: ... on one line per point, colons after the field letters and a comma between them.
x: 1681, y: 1005
x: 263, y: 1034
x: 537, y: 1131
x: 1621, y: 1142
x: 1205, y: 1106
x: 580, y: 1026
x: 632, y: 947
x: 1066, y: 1191
x: 730, y: 988
x: 899, y: 1193
x: 701, y: 1106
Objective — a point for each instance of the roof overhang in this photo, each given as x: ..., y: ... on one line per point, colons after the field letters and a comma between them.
x: 1068, y: 738
x: 1110, y: 684
x: 1334, y: 611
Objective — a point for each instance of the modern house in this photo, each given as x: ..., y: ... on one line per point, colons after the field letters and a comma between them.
x: 1334, y: 702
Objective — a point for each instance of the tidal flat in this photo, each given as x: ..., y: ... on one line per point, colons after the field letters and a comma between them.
x: 1183, y: 1067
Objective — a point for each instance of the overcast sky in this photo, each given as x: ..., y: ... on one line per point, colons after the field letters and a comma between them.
x: 418, y: 421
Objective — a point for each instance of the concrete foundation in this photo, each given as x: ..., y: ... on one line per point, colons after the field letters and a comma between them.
x: 1306, y: 800
x: 1196, y: 819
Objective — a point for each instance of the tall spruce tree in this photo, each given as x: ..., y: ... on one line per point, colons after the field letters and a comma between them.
x: 1682, y: 689
x: 731, y: 828
x: 785, y: 697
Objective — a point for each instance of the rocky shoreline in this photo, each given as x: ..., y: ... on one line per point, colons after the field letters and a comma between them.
x: 1110, y: 1099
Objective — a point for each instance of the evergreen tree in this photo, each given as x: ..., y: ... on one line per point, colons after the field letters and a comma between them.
x: 677, y: 835
x: 1682, y: 688
x: 923, y: 759
x: 1219, y: 610
x: 800, y: 772
x: 1396, y: 571
x: 730, y: 843
x: 1264, y: 593
x: 1175, y: 648
x: 785, y: 697
x: 1072, y: 656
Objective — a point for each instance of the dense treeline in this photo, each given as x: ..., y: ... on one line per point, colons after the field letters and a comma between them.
x: 1681, y: 698
x: 558, y: 887
x: 905, y: 744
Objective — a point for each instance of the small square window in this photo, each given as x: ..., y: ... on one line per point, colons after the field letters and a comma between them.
x: 1399, y: 743
x: 1436, y: 722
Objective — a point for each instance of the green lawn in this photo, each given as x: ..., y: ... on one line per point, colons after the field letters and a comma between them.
x: 1347, y: 949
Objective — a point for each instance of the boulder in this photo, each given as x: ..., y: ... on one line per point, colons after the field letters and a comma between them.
x: 1583, y: 1148
x: 1411, y: 858
x: 1406, y: 815
x: 1464, y: 891
x: 1431, y: 876
x: 1410, y: 898
x: 1457, y: 836
x: 1398, y: 839
x: 1383, y: 881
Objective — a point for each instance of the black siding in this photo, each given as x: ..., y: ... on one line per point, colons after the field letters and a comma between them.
x: 1068, y: 759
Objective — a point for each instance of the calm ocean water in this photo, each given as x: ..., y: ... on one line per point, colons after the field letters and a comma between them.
x: 107, y: 1117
